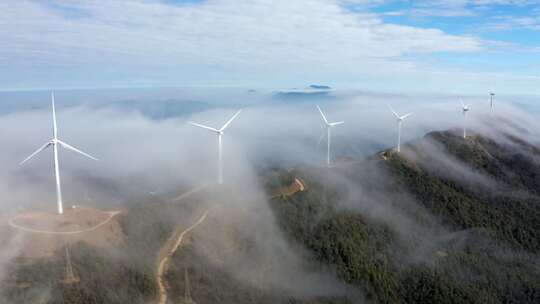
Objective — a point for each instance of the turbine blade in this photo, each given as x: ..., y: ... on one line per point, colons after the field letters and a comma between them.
x: 203, y: 126
x: 406, y: 115
x: 393, y: 112
x: 37, y: 151
x: 462, y: 104
x: 69, y: 147
x: 322, y: 114
x: 323, y: 135
x: 55, y: 128
x: 333, y: 124
x: 230, y: 120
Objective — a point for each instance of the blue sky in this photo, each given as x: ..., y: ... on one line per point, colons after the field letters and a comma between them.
x: 455, y: 46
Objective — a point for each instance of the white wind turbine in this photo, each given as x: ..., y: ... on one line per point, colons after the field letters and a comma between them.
x: 491, y: 105
x: 54, y: 142
x: 464, y: 108
x: 399, y: 123
x: 329, y: 126
x: 219, y: 133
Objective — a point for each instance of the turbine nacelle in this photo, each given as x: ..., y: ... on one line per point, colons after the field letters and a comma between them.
x: 219, y: 133
x: 328, y: 125
x: 333, y: 124
x: 399, y: 120
x: 402, y: 118
x: 398, y: 117
x: 326, y: 122
x: 465, y: 108
x: 55, y: 142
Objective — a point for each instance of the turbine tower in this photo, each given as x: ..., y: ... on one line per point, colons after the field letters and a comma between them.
x: 464, y: 108
x: 219, y: 133
x: 54, y: 142
x: 491, y: 105
x: 399, y: 123
x: 329, y: 126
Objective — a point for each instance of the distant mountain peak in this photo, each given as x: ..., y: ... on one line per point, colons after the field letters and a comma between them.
x: 320, y: 87
x: 313, y: 91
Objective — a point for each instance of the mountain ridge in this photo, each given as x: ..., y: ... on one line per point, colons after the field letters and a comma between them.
x: 447, y: 220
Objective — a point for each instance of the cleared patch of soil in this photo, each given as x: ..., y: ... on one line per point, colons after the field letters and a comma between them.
x: 41, y: 234
x: 298, y: 185
x: 74, y: 219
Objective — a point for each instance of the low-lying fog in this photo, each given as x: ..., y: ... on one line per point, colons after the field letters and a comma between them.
x: 145, y: 150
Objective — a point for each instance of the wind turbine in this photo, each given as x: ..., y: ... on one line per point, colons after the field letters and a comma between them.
x: 329, y: 126
x: 491, y: 95
x: 399, y: 122
x: 465, y: 108
x: 54, y: 142
x: 219, y: 133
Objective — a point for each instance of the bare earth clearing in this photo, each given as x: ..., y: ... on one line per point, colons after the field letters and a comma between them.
x: 298, y: 185
x: 44, y: 233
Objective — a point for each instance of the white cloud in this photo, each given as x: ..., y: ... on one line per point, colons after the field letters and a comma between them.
x: 460, y: 8
x: 505, y: 2
x: 513, y: 22
x: 215, y: 36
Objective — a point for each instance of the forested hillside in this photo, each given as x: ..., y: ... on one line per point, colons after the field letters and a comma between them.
x: 447, y: 220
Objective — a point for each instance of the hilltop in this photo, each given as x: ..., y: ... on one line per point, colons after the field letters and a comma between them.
x: 42, y: 234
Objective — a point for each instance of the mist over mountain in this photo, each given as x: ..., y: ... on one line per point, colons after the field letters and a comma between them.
x: 163, y: 103
x: 447, y: 220
x: 269, y: 152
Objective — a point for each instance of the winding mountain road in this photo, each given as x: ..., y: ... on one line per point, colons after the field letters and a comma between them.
x: 167, y: 251
x: 173, y: 243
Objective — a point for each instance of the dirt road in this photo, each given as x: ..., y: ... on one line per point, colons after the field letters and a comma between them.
x: 167, y: 251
